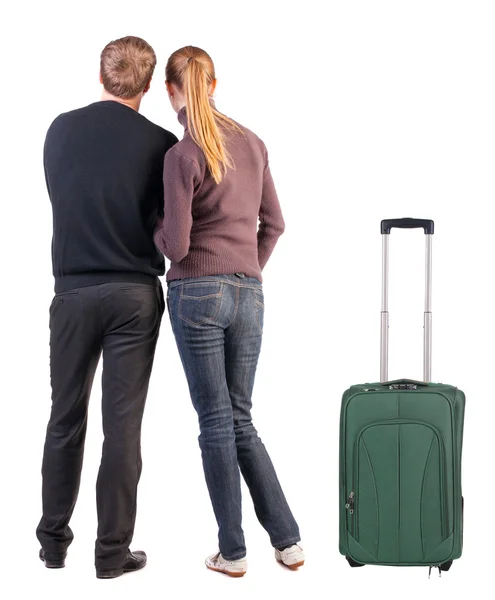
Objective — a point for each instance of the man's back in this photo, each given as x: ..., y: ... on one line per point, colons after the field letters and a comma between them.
x: 104, y: 172
x: 103, y: 166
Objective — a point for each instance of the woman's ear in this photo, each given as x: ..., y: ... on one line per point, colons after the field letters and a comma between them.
x: 212, y: 88
x: 170, y: 91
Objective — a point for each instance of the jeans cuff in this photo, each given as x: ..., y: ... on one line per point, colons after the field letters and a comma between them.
x: 235, y: 556
x: 287, y: 542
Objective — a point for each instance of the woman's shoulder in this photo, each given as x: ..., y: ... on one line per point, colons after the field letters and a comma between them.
x: 187, y: 149
x: 247, y: 131
x: 249, y: 135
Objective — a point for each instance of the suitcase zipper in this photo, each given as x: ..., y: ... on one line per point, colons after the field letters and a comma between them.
x: 351, y: 501
x: 350, y: 507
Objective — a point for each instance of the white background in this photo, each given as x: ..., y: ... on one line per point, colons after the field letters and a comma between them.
x: 370, y: 110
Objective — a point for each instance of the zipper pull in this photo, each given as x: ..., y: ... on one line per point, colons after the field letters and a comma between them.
x: 350, y: 503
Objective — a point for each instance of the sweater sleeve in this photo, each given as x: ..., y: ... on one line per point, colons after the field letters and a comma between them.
x: 173, y: 232
x: 271, y: 225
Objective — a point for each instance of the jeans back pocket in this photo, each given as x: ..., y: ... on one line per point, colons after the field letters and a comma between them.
x: 259, y: 305
x: 200, y: 302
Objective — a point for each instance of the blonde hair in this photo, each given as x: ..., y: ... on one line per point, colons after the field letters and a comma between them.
x: 126, y: 66
x: 192, y: 71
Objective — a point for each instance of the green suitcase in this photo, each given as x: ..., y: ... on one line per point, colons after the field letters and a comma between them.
x: 400, y: 457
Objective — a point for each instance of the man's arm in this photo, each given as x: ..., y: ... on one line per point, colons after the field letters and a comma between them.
x: 169, y: 142
x: 49, y: 142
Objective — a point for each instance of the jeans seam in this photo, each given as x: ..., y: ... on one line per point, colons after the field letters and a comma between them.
x: 236, y: 307
x: 259, y: 307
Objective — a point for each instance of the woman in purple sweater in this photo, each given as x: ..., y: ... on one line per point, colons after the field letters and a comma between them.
x: 217, y: 187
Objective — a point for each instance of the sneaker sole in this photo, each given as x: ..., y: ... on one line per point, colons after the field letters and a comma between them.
x: 230, y: 574
x: 293, y: 567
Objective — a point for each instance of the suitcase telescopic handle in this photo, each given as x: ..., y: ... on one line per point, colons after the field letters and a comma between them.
x: 386, y: 226
x: 426, y: 224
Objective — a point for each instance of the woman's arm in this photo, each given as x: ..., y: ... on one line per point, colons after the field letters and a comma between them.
x: 272, y: 223
x: 173, y: 232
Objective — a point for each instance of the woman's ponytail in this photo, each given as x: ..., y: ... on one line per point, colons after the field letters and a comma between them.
x: 192, y: 70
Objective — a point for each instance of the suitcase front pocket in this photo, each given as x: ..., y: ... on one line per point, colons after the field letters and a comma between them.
x: 399, y: 511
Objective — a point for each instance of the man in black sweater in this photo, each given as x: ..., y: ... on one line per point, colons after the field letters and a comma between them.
x: 104, y: 167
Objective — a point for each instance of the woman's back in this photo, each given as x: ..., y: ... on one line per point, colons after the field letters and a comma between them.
x: 211, y: 228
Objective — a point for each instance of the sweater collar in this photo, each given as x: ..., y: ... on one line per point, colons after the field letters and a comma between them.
x: 182, y: 114
x: 182, y: 117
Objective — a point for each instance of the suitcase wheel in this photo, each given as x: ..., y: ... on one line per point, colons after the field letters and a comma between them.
x: 353, y: 563
x: 446, y: 565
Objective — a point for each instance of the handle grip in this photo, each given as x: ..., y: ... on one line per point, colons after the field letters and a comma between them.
x: 426, y: 224
x: 405, y: 384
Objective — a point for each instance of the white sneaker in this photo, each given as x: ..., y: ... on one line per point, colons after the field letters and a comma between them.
x: 232, y: 568
x: 292, y: 557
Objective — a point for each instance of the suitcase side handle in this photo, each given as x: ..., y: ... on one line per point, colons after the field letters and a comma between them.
x: 427, y: 224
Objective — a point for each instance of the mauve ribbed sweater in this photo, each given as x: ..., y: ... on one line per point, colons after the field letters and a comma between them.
x: 210, y: 228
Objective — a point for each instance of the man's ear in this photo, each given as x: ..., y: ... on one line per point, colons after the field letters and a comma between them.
x: 101, y: 79
x: 147, y: 87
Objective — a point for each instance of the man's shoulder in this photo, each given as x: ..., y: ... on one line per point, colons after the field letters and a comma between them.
x: 82, y: 111
x: 164, y: 138
x: 69, y: 117
x: 167, y: 138
x: 162, y: 135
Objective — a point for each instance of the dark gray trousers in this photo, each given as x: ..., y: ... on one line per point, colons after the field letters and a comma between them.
x: 121, y: 321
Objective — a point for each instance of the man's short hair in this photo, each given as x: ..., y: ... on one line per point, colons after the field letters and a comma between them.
x: 126, y: 66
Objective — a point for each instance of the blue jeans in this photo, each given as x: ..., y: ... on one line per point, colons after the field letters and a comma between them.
x: 217, y: 323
